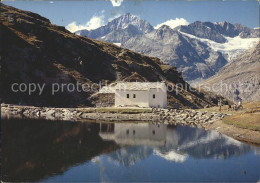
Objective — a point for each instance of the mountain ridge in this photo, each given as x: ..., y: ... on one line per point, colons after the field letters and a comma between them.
x: 209, y: 57
x: 118, y: 23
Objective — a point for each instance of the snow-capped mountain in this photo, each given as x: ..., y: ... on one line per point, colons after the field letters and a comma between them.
x: 198, y: 50
x: 194, y: 58
x: 231, y: 48
x: 218, y: 31
x: 197, y: 143
x: 119, y: 24
x: 122, y: 35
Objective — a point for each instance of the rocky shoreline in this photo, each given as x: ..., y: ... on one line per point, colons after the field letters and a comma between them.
x: 168, y: 116
x: 185, y: 117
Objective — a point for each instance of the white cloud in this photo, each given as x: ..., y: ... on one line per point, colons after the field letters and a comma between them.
x: 116, y: 2
x: 172, y: 156
x: 94, y: 23
x: 173, y: 23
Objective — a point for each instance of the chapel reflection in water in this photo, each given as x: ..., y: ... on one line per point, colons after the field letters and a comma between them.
x: 36, y: 149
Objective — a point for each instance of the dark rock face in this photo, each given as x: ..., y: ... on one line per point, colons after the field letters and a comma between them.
x: 35, y: 51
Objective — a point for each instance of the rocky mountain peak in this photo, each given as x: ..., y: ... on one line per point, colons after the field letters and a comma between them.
x: 164, y: 27
x: 127, y: 19
x: 233, y: 30
x: 163, y: 32
x: 203, y: 30
x: 118, y: 24
x: 124, y: 20
x: 223, y: 23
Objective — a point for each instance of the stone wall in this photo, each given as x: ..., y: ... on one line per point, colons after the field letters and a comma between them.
x: 105, y: 100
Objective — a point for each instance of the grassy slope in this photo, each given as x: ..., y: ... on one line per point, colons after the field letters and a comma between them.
x: 248, y: 118
x: 247, y: 121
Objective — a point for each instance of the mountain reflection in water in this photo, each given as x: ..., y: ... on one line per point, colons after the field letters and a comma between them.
x: 35, y: 150
x: 172, y: 143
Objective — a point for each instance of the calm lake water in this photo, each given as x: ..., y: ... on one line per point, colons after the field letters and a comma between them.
x: 55, y: 151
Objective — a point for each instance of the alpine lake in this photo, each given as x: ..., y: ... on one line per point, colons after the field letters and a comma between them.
x: 58, y: 151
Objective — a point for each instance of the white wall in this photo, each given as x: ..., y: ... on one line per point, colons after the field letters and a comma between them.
x: 137, y: 134
x: 160, y: 99
x: 141, y: 100
x: 140, y: 131
x: 157, y: 132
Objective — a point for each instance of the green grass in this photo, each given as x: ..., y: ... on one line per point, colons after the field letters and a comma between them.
x: 246, y: 121
x: 248, y: 118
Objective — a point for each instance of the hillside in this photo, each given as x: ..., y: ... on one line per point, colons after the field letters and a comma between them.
x: 36, y: 51
x: 240, y: 77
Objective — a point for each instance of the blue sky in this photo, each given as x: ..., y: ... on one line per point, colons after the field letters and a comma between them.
x: 88, y: 13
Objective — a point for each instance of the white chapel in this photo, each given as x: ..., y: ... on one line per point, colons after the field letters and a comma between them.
x: 139, y: 94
